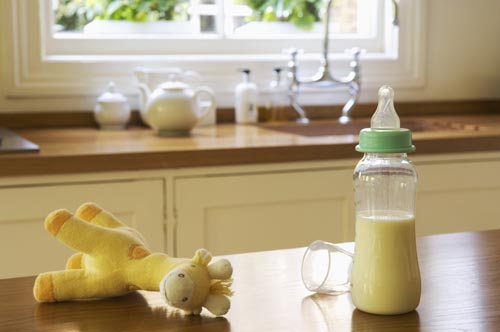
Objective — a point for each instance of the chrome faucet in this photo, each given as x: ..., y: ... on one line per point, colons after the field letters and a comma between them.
x: 324, y: 77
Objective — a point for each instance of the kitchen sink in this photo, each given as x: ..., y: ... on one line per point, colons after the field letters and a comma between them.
x: 328, y: 128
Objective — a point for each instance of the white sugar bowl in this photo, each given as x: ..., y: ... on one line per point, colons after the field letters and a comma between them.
x: 112, y: 111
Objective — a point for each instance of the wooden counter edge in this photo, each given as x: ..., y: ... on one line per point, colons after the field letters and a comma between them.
x: 33, y: 164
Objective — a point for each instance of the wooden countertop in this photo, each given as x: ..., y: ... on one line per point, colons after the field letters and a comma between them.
x: 460, y: 291
x: 75, y: 150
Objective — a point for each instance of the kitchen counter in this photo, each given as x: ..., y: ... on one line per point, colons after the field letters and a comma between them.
x: 76, y: 150
x: 460, y: 291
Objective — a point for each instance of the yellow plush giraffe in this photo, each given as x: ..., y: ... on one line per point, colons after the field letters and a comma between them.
x: 114, y: 260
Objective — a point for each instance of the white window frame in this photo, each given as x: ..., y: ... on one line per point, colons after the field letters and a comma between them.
x: 38, y: 66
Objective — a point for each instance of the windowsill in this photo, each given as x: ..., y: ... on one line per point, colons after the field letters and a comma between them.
x: 215, y: 58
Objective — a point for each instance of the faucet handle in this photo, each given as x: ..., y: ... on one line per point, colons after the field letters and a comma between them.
x: 355, y: 52
x: 293, y: 52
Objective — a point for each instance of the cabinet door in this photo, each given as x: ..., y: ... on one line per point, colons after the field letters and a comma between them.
x: 27, y: 249
x: 458, y: 197
x: 243, y: 213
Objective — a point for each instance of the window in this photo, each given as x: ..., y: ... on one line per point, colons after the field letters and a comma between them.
x: 211, y: 26
x: 47, y: 61
x: 222, y: 17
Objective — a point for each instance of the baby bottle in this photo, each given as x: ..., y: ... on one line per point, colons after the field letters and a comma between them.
x: 385, y: 277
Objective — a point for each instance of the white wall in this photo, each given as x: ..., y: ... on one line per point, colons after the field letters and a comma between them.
x: 462, y: 59
x: 463, y: 51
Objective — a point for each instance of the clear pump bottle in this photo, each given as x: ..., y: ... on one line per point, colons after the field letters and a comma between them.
x: 279, y: 99
x: 385, y: 277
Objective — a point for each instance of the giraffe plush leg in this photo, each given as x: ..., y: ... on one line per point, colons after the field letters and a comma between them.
x: 75, y: 261
x: 94, y: 214
x: 75, y: 284
x: 44, y: 289
x: 81, y: 235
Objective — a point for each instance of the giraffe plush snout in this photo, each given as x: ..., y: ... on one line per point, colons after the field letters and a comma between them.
x: 177, y: 289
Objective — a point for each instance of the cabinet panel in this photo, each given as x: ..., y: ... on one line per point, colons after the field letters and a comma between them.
x: 458, y: 197
x: 27, y: 249
x: 243, y: 213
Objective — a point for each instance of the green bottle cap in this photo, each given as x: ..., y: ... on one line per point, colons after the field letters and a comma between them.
x: 385, y: 135
x: 385, y: 140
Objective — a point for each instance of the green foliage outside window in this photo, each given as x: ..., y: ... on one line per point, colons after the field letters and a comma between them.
x: 74, y: 14
x: 302, y: 13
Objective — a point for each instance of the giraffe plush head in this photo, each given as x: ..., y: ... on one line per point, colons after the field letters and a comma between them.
x: 195, y: 284
x: 112, y: 259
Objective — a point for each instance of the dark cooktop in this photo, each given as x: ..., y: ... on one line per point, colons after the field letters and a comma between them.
x: 10, y: 142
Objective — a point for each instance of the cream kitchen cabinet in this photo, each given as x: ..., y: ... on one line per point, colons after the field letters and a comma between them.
x: 238, y: 208
x: 262, y: 211
x: 458, y: 196
x: 27, y: 249
x: 250, y: 210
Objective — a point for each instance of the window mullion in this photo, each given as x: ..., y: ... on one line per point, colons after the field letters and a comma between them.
x: 227, y: 17
x: 220, y: 18
x: 195, y: 15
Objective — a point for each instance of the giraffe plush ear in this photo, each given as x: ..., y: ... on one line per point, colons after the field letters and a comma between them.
x: 221, y: 269
x: 202, y: 257
x: 217, y: 304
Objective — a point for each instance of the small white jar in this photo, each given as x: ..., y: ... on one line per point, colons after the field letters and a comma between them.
x: 112, y: 111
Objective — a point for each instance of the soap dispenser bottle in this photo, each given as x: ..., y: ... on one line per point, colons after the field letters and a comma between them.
x: 278, y: 95
x: 385, y: 276
x: 246, y: 100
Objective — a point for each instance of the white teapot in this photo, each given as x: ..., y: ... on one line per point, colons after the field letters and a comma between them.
x: 173, y: 109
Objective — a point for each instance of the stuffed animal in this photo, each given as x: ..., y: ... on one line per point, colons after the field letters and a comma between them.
x: 114, y: 260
